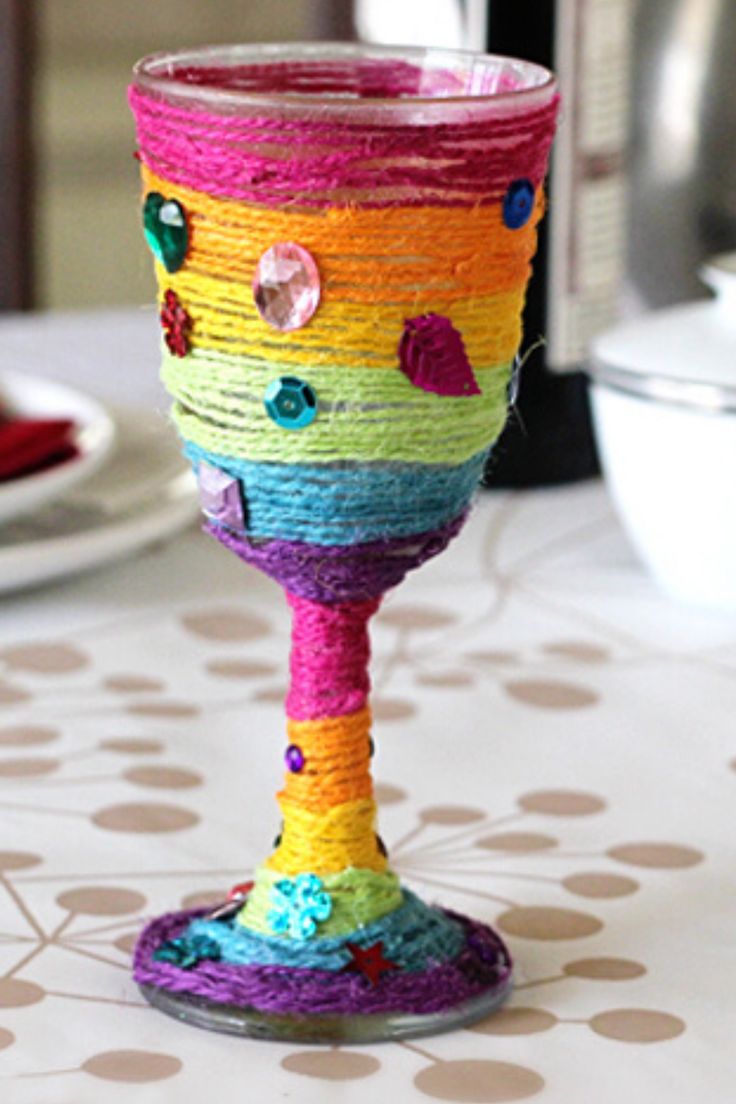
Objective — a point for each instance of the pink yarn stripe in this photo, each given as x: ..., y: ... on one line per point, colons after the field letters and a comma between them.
x: 330, y: 651
x: 224, y: 156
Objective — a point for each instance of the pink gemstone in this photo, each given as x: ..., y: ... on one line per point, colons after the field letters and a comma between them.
x: 220, y: 496
x: 286, y: 286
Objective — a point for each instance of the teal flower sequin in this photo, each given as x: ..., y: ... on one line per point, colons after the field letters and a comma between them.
x: 299, y: 904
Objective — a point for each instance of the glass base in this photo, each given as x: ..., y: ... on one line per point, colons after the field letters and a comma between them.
x: 248, y: 1022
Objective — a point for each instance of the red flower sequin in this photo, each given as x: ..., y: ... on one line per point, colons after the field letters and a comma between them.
x: 176, y: 324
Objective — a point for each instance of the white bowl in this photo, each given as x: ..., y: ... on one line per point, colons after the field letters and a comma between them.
x: 664, y: 406
x: 29, y: 396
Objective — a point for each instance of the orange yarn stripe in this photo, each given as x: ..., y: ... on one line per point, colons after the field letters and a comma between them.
x: 337, y: 761
x: 365, y: 255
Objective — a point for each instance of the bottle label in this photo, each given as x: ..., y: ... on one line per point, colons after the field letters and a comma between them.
x: 587, y: 217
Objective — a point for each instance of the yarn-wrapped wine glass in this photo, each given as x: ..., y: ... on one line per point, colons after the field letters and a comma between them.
x: 342, y: 238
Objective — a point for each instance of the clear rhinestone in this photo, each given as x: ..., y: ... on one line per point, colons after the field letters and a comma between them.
x: 286, y: 286
x: 220, y: 496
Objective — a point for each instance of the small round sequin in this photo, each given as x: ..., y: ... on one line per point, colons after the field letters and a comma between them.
x: 518, y: 204
x: 381, y: 846
x: 371, y: 747
x: 294, y: 758
x: 286, y: 286
x: 166, y: 230
x: 290, y: 402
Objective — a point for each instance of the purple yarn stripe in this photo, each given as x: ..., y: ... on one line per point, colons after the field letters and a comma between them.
x: 339, y: 572
x: 484, y: 963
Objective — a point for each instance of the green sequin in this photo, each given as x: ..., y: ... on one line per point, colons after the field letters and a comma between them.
x: 166, y: 230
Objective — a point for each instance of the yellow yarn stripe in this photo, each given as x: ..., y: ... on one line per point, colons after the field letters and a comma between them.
x: 325, y: 843
x: 362, y: 415
x: 365, y: 255
x: 224, y: 318
x: 358, y: 897
x: 337, y: 768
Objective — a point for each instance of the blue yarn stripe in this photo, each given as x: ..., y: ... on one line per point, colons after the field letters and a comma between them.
x: 414, y: 936
x: 347, y: 503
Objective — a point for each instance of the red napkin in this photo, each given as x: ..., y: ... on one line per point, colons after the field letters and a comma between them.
x: 29, y: 446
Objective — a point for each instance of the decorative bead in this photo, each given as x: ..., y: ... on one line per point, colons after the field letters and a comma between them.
x: 220, y: 496
x: 294, y: 757
x: 277, y: 841
x: 176, y: 324
x: 371, y: 747
x: 518, y: 204
x: 369, y: 961
x: 286, y: 286
x: 381, y: 846
x: 186, y: 953
x: 166, y: 231
x: 240, y: 891
x: 290, y: 402
x: 299, y: 904
x: 432, y: 355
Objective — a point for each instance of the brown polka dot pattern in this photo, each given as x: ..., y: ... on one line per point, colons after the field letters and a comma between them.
x: 331, y: 1065
x: 16, y: 993
x: 27, y: 735
x: 392, y: 709
x: 143, y: 818
x: 126, y: 943
x: 13, y: 695
x: 561, y: 803
x: 241, y: 668
x: 516, y: 1021
x: 7, y: 1038
x: 478, y: 1081
x: 516, y: 841
x: 417, y: 618
x: 101, y: 901
x: 449, y: 815
x: 171, y: 710
x: 549, y: 694
x: 18, y: 860
x: 163, y: 778
x: 386, y: 794
x: 133, y: 684
x: 45, y: 658
x: 657, y: 856
x: 446, y: 680
x: 547, y: 923
x: 604, y: 969
x: 599, y: 885
x: 581, y: 650
x: 273, y: 695
x: 637, y: 1025
x: 493, y: 657
x: 132, y: 745
x: 28, y: 768
x: 140, y: 1067
x: 226, y: 625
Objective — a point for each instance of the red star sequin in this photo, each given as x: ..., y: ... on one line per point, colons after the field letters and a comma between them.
x: 176, y: 323
x: 369, y: 961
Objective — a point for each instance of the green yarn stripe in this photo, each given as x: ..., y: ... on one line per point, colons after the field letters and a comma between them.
x: 358, y: 897
x: 364, y: 414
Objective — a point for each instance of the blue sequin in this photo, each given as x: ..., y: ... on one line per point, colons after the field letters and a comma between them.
x: 518, y: 204
x: 290, y: 402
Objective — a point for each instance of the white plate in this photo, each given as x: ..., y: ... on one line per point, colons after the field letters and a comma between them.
x: 145, y: 491
x: 29, y: 396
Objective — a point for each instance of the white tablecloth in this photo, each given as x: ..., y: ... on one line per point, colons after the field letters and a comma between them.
x: 555, y: 754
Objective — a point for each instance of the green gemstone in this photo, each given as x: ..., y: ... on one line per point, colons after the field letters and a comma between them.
x: 166, y: 230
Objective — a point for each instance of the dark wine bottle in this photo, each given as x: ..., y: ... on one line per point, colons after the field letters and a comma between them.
x: 578, y: 270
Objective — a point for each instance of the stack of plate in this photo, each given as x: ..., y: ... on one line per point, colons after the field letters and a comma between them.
x: 126, y: 487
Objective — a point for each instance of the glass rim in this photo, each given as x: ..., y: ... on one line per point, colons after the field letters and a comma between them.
x: 153, y: 73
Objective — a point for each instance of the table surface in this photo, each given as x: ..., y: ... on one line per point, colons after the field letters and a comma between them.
x: 555, y: 755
